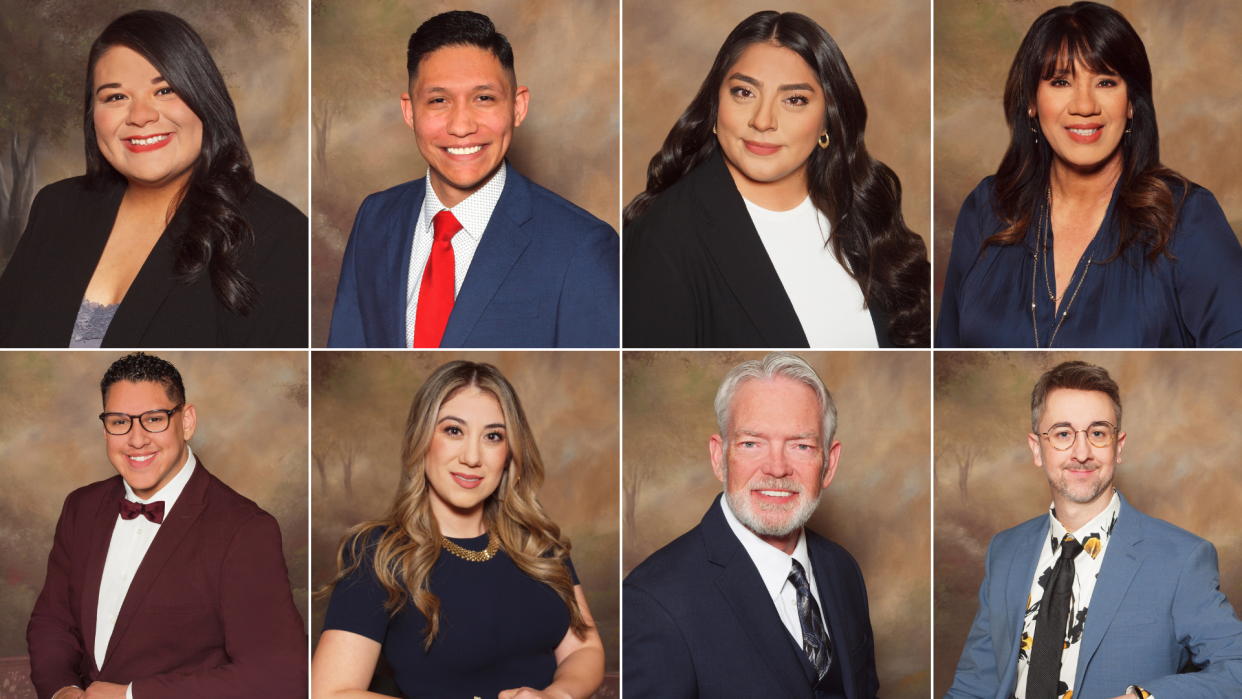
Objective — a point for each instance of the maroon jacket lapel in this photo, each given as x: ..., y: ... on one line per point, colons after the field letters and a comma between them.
x: 101, y: 539
x: 177, y: 524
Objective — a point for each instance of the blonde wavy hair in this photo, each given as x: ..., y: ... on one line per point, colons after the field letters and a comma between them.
x: 404, y: 544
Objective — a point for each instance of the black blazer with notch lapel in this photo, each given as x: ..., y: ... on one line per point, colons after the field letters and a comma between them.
x: 700, y: 623
x: 42, y: 287
x: 697, y: 274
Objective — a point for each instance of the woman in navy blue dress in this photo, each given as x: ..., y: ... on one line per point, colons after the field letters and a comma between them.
x: 1083, y: 238
x: 465, y: 584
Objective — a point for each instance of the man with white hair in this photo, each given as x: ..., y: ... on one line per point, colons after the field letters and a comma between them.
x: 751, y: 603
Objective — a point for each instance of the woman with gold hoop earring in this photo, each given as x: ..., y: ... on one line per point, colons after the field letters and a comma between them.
x: 1083, y: 238
x: 749, y: 235
x: 465, y: 584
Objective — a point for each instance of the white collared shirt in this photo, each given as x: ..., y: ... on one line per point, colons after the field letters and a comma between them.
x: 1094, y: 537
x: 473, y: 213
x: 774, y: 567
x: 130, y: 541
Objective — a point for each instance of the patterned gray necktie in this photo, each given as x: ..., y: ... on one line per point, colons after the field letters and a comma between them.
x: 814, y: 640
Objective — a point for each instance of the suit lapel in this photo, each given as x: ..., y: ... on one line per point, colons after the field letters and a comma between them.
x: 1021, y: 572
x: 742, y: 587
x: 499, y: 249
x: 1121, y: 563
x: 101, y: 539
x: 731, y: 238
x: 150, y: 289
x: 185, y: 512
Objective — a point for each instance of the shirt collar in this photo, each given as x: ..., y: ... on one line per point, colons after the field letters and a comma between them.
x: 474, y: 211
x: 171, y: 490
x: 773, y: 564
x: 1101, y: 524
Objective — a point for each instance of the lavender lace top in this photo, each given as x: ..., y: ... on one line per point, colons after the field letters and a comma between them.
x: 92, y: 322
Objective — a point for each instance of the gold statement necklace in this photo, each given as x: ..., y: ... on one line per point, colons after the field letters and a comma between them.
x: 1045, y: 224
x: 493, y: 545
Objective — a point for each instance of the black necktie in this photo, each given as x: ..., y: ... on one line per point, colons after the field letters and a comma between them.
x: 1044, y: 673
x: 814, y: 641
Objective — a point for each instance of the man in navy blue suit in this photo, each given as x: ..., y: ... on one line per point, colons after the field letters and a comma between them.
x: 474, y: 254
x: 751, y: 603
x: 1095, y: 599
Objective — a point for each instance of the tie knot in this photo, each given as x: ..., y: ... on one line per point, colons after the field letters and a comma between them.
x: 797, y: 576
x: 1070, y: 548
x: 445, y: 225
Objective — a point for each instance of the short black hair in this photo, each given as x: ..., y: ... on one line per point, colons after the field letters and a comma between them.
x: 144, y: 367
x: 458, y: 28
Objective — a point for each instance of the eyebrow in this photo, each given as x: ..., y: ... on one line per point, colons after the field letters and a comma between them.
x: 477, y: 88
x: 783, y: 88
x: 493, y: 425
x: 154, y: 81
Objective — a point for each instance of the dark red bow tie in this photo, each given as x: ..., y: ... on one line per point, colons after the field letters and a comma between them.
x: 153, y: 511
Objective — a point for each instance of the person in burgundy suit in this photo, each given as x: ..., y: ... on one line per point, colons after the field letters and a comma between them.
x: 163, y: 581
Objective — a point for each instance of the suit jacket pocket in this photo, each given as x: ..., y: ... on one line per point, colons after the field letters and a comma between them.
x: 1134, y: 618
x: 511, y: 310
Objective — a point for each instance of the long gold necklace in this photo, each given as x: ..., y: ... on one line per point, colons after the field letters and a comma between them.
x: 493, y: 545
x: 1045, y: 224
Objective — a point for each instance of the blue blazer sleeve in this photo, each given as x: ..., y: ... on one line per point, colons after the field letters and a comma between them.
x: 346, y: 329
x: 977, y: 675
x: 1206, y: 625
x: 588, y: 314
x: 965, y: 251
x: 657, y: 662
x: 1207, y: 274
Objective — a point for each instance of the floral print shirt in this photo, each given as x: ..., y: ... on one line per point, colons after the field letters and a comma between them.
x: 1094, y: 538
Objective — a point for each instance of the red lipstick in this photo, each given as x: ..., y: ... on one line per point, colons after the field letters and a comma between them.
x: 149, y: 146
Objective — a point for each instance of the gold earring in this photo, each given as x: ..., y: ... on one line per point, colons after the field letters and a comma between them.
x: 823, y: 140
x: 1036, y: 132
x: 713, y: 129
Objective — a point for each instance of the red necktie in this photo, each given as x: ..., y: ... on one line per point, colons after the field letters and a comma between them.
x: 153, y: 511
x: 435, y: 294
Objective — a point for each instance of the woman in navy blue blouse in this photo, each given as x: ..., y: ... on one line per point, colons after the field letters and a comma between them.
x: 465, y: 584
x: 1083, y: 238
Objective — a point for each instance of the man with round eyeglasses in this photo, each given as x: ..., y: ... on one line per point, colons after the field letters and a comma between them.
x: 1096, y: 599
x: 163, y: 581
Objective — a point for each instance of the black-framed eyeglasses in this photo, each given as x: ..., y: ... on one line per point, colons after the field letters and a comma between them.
x: 153, y: 421
x: 1099, y: 434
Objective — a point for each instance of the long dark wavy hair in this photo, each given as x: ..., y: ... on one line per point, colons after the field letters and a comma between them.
x: 1100, y: 39
x: 859, y: 195
x: 218, y: 234
x: 404, y: 545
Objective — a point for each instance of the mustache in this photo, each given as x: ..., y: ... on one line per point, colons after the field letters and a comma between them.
x: 777, y: 484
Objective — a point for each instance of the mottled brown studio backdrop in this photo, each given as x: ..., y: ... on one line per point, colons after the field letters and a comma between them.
x: 259, y: 46
x: 670, y: 46
x: 570, y: 398
x: 251, y: 434
x: 1192, y: 46
x: 1180, y: 415
x: 877, y: 507
x: 567, y: 53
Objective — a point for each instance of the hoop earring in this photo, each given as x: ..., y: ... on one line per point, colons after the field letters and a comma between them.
x: 823, y: 140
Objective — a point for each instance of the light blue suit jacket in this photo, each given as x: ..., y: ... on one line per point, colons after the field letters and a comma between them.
x: 1157, y: 603
x: 545, y: 274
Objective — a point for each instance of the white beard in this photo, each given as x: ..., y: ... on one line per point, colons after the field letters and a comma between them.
x: 770, y: 519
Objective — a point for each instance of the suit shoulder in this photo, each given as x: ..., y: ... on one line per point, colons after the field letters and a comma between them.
x: 820, y: 545
x: 94, y: 491
x: 1011, y: 536
x: 670, y: 223
x: 228, y: 504
x: 265, y: 208
x: 666, y: 570
x: 1166, y: 534
x: 383, y: 203
x: 571, y: 219
x: 67, y: 188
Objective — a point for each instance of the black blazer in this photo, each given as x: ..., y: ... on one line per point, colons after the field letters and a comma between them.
x: 43, y: 285
x: 696, y: 273
x: 700, y: 623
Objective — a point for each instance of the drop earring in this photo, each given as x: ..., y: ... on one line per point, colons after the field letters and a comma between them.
x: 823, y: 140
x: 713, y: 129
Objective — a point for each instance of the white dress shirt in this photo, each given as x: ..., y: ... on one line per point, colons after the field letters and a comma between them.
x: 472, y: 213
x: 774, y: 567
x: 828, y: 301
x: 130, y: 541
x: 1094, y: 536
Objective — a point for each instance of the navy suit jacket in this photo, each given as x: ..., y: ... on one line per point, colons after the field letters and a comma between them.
x: 1157, y: 603
x: 545, y: 274
x: 700, y: 623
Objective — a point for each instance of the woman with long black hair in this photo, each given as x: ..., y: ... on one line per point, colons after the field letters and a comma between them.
x: 1083, y: 238
x: 765, y: 222
x: 167, y: 241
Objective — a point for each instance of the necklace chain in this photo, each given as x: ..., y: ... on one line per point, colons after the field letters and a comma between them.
x: 1041, y: 244
x: 493, y: 545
